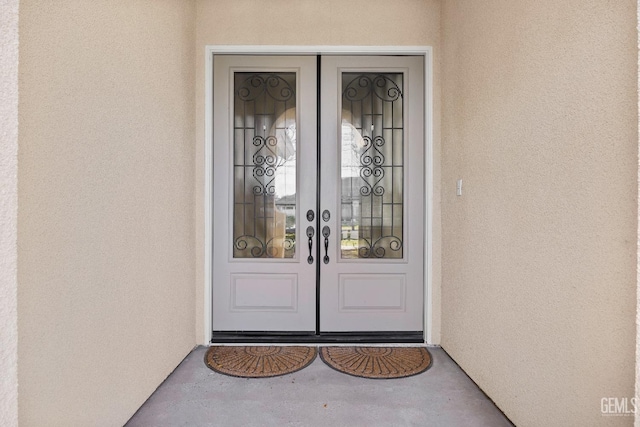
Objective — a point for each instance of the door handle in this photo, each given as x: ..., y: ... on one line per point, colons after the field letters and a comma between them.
x: 326, y: 231
x: 310, y: 233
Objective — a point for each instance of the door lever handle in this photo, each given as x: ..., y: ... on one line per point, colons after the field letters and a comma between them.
x: 310, y: 233
x: 326, y: 231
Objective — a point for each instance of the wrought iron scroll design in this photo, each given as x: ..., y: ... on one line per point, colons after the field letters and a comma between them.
x: 260, y: 98
x: 265, y: 164
x: 369, y: 99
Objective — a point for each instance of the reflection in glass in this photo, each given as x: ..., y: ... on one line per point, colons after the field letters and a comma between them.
x: 264, y: 141
x: 372, y: 168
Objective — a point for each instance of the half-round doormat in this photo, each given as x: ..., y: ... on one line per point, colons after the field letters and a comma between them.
x: 377, y: 362
x: 258, y: 362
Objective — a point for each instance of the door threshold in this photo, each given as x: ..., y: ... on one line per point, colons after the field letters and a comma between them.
x: 240, y: 337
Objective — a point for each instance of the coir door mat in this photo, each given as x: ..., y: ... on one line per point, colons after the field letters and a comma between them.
x: 377, y: 362
x: 258, y: 362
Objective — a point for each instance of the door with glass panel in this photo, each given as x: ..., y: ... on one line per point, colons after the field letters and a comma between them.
x: 264, y: 181
x: 318, y: 225
x: 372, y: 149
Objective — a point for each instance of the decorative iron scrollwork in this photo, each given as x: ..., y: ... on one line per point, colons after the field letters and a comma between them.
x: 365, y: 85
x: 372, y: 170
x: 378, y: 249
x: 372, y: 113
x: 265, y: 164
x: 264, y: 115
x: 260, y: 249
x: 271, y: 84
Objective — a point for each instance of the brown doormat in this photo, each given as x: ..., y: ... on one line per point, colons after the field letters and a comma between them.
x: 377, y: 362
x: 258, y: 362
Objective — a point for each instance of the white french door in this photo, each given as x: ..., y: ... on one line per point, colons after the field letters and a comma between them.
x: 373, y: 185
x: 264, y: 175
x: 318, y: 194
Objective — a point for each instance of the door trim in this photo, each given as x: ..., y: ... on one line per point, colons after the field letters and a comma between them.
x: 211, y: 50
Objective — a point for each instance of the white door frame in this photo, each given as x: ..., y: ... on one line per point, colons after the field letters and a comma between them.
x: 210, y: 50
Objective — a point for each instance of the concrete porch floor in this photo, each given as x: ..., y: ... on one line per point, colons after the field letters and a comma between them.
x: 194, y: 395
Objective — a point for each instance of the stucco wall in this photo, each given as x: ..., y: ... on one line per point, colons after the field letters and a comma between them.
x: 637, y: 385
x: 8, y: 212
x: 105, y: 224
x: 539, y: 285
x: 312, y: 22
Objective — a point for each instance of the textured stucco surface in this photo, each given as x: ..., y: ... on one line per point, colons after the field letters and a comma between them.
x: 105, y: 223
x: 312, y: 22
x: 637, y: 385
x: 540, y: 121
x: 8, y: 212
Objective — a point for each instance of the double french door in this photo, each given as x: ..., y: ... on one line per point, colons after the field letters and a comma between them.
x: 318, y: 192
